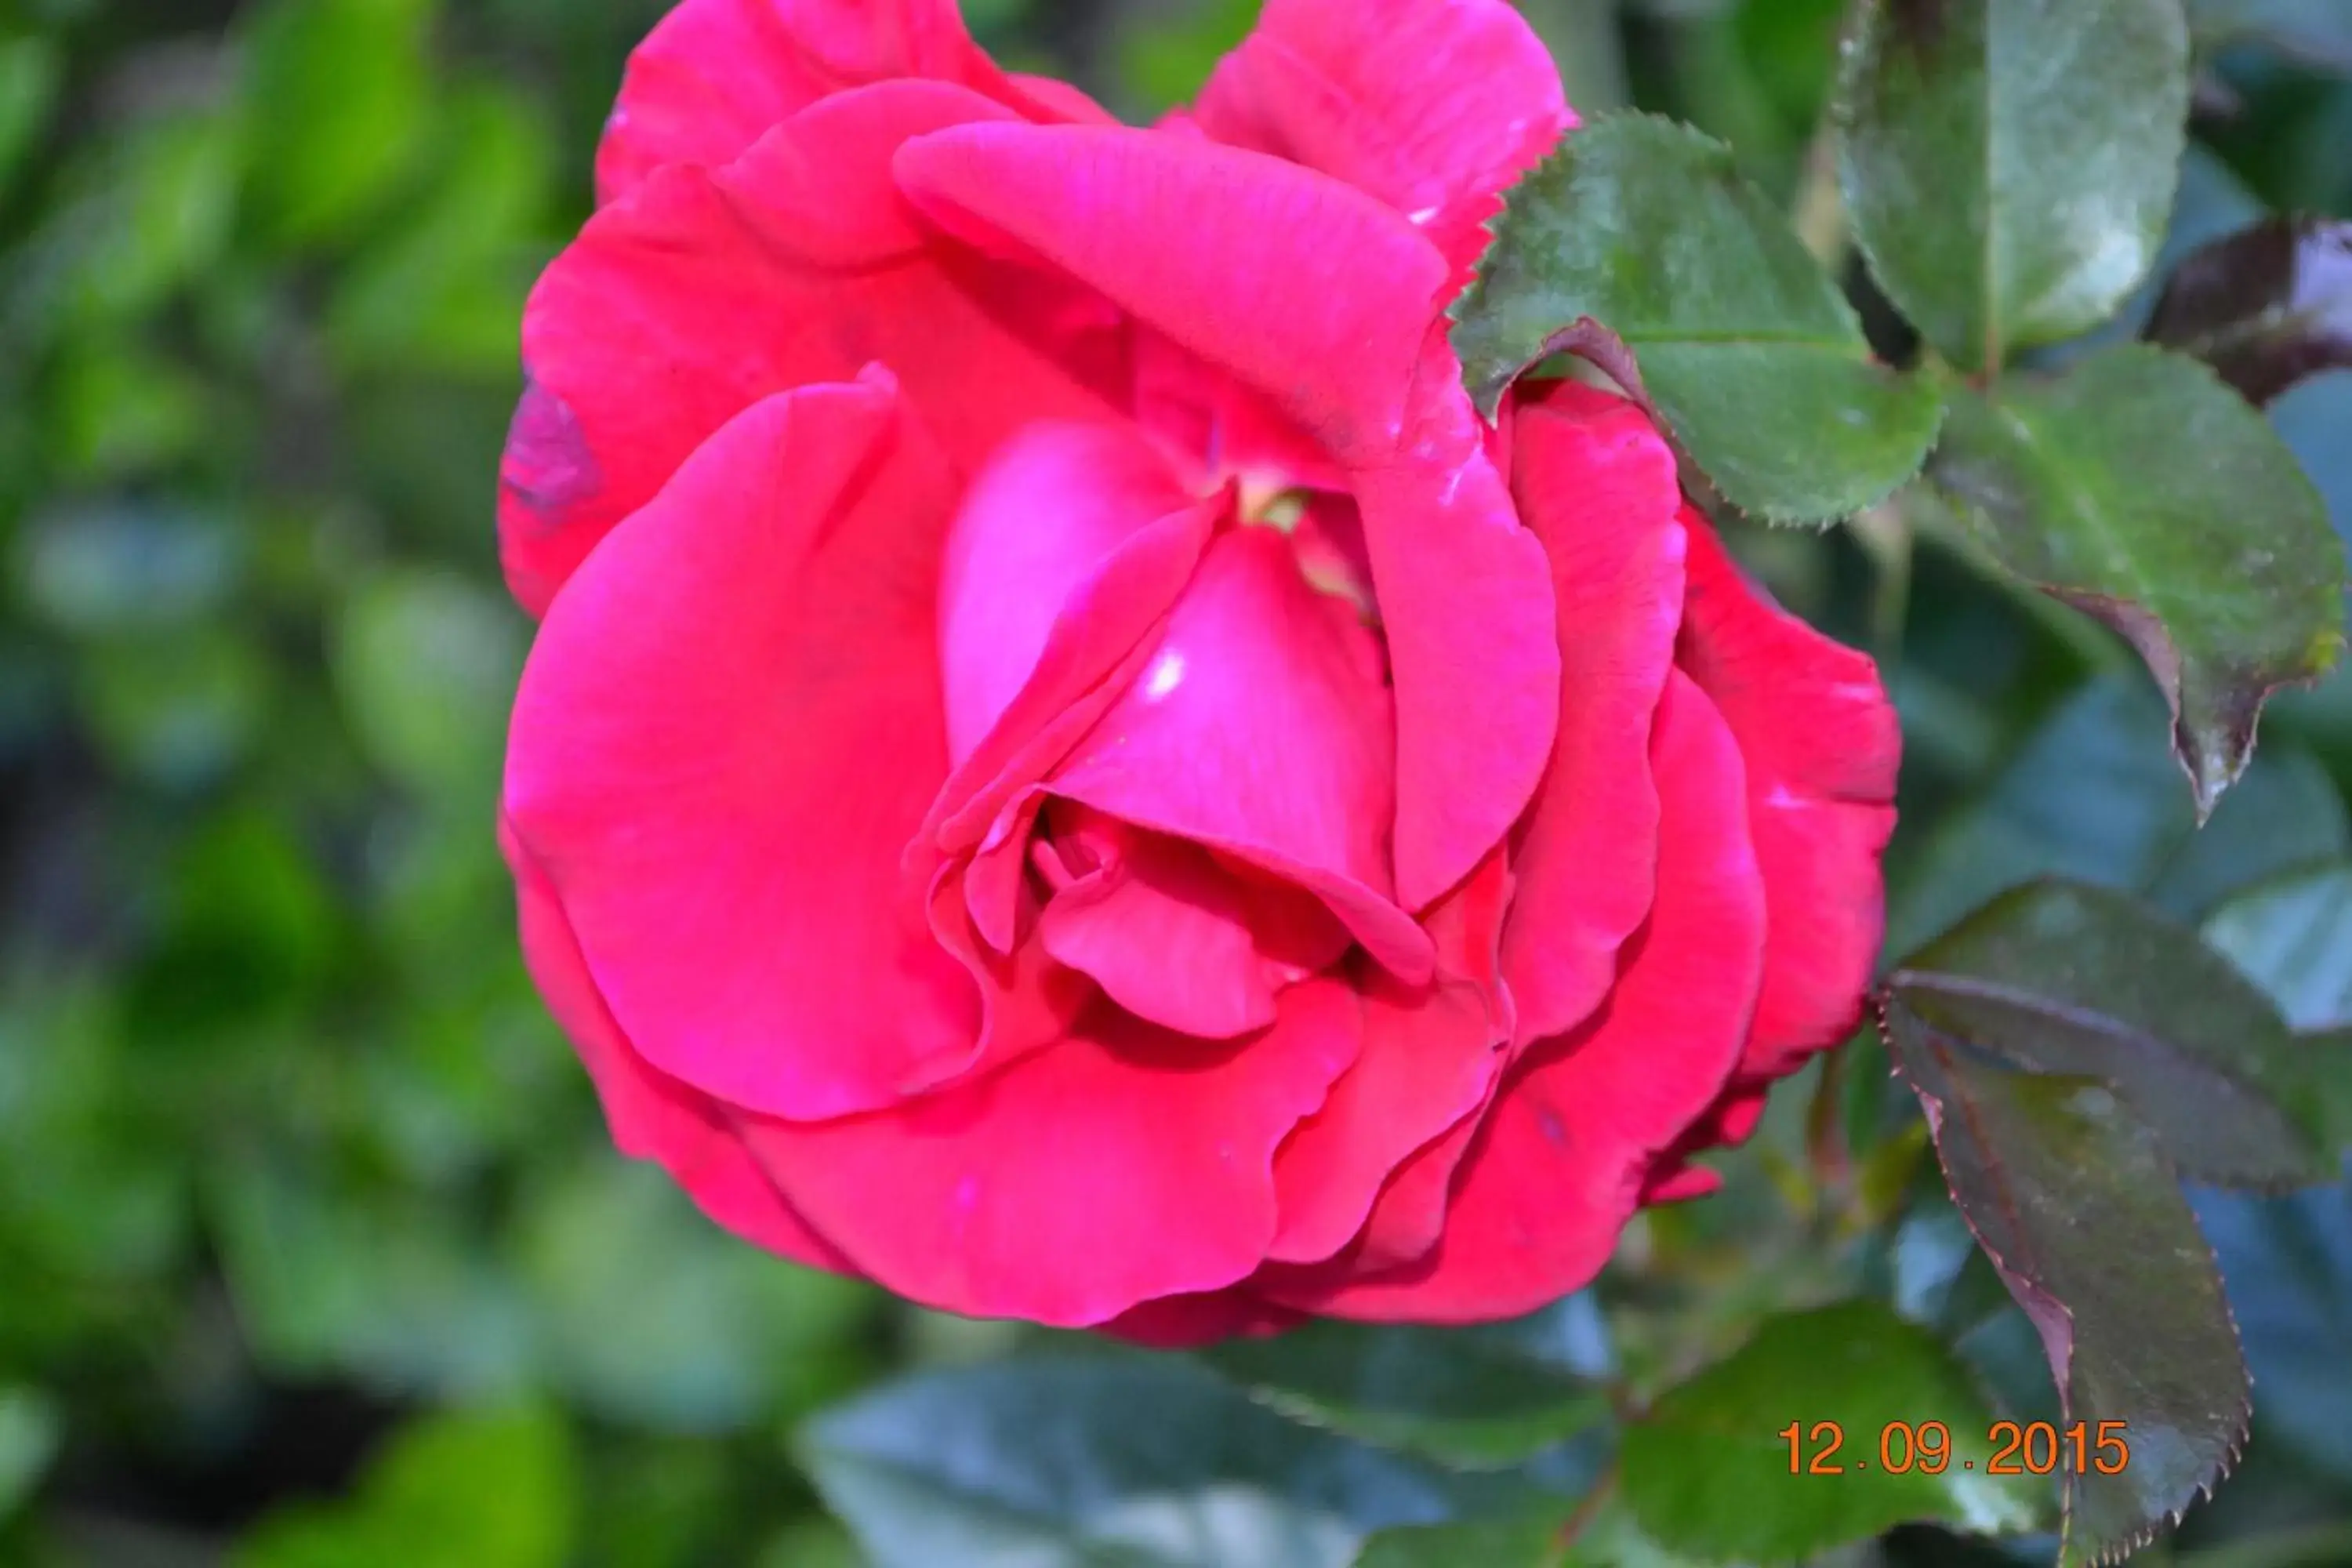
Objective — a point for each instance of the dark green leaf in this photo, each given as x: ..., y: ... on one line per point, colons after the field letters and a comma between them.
x: 2062, y: 978
x: 2009, y: 163
x: 1706, y: 1471
x: 2267, y: 307
x: 2070, y: 1196
x: 1110, y: 1461
x: 1638, y: 246
x: 2140, y: 489
x: 1463, y: 1396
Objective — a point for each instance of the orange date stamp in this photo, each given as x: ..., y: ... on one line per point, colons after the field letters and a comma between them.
x: 2036, y: 1448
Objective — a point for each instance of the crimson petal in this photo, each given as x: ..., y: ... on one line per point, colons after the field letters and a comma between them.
x: 1434, y: 106
x: 1558, y: 1166
x: 1599, y: 487
x: 728, y: 730
x: 652, y: 1116
x: 704, y: 290
x: 1120, y: 1166
x: 1328, y: 300
x: 716, y: 75
x: 1822, y: 746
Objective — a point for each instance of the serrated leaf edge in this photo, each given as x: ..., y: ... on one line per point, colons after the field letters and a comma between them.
x: 1882, y: 1002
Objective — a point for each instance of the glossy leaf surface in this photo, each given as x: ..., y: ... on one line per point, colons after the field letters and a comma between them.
x: 2009, y: 163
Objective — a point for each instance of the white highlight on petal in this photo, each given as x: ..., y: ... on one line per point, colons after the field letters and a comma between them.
x: 1167, y: 673
x: 1424, y: 215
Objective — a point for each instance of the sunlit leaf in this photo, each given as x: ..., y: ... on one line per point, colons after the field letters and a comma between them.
x: 342, y: 93
x: 2009, y: 163
x: 494, y: 1490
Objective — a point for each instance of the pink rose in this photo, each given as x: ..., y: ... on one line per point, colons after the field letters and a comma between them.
x: 1065, y: 770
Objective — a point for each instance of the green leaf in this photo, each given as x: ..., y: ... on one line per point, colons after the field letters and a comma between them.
x: 1533, y: 1543
x: 2062, y: 978
x: 29, y: 1432
x: 29, y: 73
x: 2093, y: 796
x: 444, y: 291
x: 1113, y: 1461
x: 2316, y: 32
x: 650, y: 1317
x: 2292, y: 937
x: 493, y: 1489
x: 1638, y: 246
x: 2008, y: 164
x: 2140, y: 489
x: 1607, y: 1537
x: 1707, y: 1470
x: 2073, y: 1200
x: 427, y: 664
x: 1462, y: 1396
x: 2268, y: 307
x: 342, y: 93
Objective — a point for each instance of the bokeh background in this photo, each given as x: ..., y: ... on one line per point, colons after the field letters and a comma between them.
x: 312, y: 1248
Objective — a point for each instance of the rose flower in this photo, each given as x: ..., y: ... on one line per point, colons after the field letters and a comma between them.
x: 1065, y: 770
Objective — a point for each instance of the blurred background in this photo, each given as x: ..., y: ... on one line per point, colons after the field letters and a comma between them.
x: 313, y: 1250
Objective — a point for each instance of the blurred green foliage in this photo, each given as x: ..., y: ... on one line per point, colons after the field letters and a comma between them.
x: 313, y: 1250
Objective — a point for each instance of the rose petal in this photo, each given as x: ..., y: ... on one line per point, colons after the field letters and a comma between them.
x: 653, y: 1117
x: 1557, y: 1165
x: 1036, y: 526
x: 1822, y: 747
x: 1599, y: 487
x: 1327, y: 300
x: 1429, y: 1060
x: 1121, y: 1166
x: 1175, y: 938
x: 702, y: 291
x: 716, y: 75
x: 728, y: 730
x: 1434, y: 106
x: 1260, y: 728
x: 1102, y: 635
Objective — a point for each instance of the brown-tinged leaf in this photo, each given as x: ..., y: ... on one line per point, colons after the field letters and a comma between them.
x: 2060, y: 977
x: 2268, y: 307
x: 2072, y: 1198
